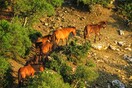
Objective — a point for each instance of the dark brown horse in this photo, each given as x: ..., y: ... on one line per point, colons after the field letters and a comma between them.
x: 63, y: 34
x: 27, y: 71
x: 93, y: 28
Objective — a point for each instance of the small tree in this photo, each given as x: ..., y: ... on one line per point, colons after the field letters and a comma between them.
x: 30, y: 10
x: 14, y: 39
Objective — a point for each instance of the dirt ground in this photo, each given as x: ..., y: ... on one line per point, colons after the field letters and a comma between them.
x: 110, y: 63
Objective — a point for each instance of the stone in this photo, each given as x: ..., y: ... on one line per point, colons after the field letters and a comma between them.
x: 100, y: 46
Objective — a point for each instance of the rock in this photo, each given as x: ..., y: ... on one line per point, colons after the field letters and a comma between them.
x: 121, y: 32
x: 117, y: 84
x: 121, y: 43
x: 130, y: 77
x: 127, y: 57
x: 46, y: 24
x: 113, y: 47
x: 129, y: 49
x: 100, y: 46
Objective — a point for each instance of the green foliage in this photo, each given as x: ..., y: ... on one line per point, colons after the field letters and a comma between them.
x: 56, y: 3
x: 5, y: 73
x: 30, y: 10
x: 3, y: 4
x: 76, y: 52
x: 84, y: 75
x: 125, y: 8
x: 92, y: 2
x: 48, y: 79
x: 14, y: 39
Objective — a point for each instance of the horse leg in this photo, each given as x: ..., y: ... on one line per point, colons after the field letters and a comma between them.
x: 95, y: 38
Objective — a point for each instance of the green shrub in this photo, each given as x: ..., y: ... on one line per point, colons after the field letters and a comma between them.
x: 47, y: 79
x: 5, y: 73
x: 84, y: 76
x: 75, y: 52
x: 92, y: 2
x: 29, y: 11
x: 125, y: 8
x: 56, y: 3
x: 3, y: 4
x: 14, y: 39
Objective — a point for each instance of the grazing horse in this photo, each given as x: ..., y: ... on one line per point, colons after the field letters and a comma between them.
x: 63, y: 34
x: 46, y: 48
x: 42, y: 40
x: 93, y: 28
x: 28, y: 70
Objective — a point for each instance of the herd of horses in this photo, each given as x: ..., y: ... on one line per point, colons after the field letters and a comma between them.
x: 47, y: 43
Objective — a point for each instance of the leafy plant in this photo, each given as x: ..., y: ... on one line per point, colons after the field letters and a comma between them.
x: 125, y: 8
x: 14, y: 39
x: 76, y: 52
x: 29, y: 11
x: 47, y: 79
x: 5, y: 73
x: 84, y: 75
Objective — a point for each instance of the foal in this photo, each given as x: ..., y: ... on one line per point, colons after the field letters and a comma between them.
x: 63, y: 34
x: 93, y: 28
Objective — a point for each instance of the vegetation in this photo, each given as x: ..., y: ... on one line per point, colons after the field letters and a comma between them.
x: 48, y: 79
x: 14, y: 39
x: 5, y: 73
x: 89, y: 3
x: 3, y: 4
x: 75, y: 52
x: 31, y: 11
x: 125, y: 8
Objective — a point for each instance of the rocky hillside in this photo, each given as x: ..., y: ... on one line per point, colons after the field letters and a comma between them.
x: 112, y: 54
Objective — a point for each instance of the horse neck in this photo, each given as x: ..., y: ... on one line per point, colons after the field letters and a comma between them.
x: 71, y: 30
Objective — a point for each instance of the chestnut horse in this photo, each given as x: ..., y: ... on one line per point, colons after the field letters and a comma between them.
x: 93, y: 28
x: 63, y: 34
x: 46, y: 49
x: 42, y: 40
x: 28, y: 70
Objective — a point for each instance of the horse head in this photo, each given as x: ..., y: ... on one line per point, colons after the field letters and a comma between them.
x: 103, y: 24
x: 74, y: 31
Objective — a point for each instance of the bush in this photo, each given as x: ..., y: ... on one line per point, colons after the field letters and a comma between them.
x: 56, y: 3
x: 125, y: 8
x: 30, y: 10
x: 47, y: 79
x: 89, y: 3
x: 5, y: 73
x: 14, y: 39
x: 3, y: 4
x: 75, y: 52
x: 84, y: 76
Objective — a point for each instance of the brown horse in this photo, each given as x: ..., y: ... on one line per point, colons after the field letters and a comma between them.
x: 46, y: 48
x: 63, y: 34
x: 93, y: 28
x: 28, y: 70
x: 42, y: 40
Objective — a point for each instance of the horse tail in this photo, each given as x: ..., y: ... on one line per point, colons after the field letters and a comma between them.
x: 85, y: 32
x: 19, y: 78
x: 53, y: 38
